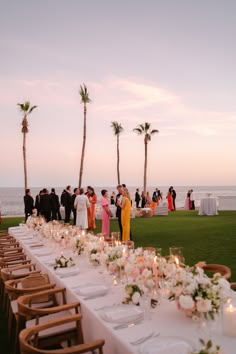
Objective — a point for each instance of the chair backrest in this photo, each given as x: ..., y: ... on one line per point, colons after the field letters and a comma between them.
x: 218, y: 268
x: 22, y: 286
x: 27, y: 310
x: 29, y: 337
x: 20, y: 271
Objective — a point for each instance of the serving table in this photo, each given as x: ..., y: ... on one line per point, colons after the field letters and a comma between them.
x: 165, y: 318
x: 208, y: 206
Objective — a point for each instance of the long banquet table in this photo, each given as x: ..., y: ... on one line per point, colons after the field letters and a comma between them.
x: 165, y: 318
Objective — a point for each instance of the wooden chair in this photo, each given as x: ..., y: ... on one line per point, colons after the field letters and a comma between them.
x: 217, y: 268
x: 15, y: 271
x: 29, y: 316
x: 29, y: 338
x: 28, y: 285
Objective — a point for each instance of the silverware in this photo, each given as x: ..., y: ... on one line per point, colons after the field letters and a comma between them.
x: 128, y: 325
x: 93, y: 297
x: 144, y: 339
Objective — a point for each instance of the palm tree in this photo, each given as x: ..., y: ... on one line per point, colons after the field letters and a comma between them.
x: 25, y: 109
x: 84, y: 99
x: 117, y: 129
x: 146, y: 130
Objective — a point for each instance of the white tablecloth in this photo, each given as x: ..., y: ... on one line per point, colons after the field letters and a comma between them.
x: 208, y: 206
x: 165, y: 318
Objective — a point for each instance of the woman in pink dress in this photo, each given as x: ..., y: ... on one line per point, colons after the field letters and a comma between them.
x: 187, y: 201
x: 106, y: 213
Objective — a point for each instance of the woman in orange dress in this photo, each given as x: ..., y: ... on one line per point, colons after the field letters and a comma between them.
x: 170, y: 200
x: 91, y: 212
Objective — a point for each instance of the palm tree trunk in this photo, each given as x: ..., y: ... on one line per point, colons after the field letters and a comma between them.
x: 145, y: 167
x: 83, y: 148
x: 118, y: 159
x: 24, y: 159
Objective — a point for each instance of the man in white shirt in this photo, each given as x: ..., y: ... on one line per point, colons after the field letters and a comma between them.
x: 192, y: 200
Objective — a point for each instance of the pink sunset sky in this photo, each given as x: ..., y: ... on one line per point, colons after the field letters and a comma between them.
x: 170, y: 63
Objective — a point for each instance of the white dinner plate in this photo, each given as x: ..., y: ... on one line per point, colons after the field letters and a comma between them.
x: 66, y: 272
x: 167, y: 345
x: 122, y: 313
x: 92, y: 289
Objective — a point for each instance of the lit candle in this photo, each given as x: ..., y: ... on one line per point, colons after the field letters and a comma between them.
x: 154, y: 269
x: 229, y: 319
x: 177, y: 262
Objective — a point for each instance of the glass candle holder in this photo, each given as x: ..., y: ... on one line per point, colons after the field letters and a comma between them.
x: 229, y: 318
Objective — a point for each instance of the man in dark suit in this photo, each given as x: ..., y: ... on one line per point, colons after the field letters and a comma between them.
x: 173, y: 192
x: 66, y: 201
x: 118, y: 206
x: 45, y: 205
x: 76, y: 192
x: 55, y: 205
x: 29, y: 203
x: 137, y: 198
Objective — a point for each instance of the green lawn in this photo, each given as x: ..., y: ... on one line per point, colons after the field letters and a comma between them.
x: 207, y: 238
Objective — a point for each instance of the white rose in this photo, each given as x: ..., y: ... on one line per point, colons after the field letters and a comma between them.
x: 136, y: 298
x: 204, y: 305
x: 186, y: 302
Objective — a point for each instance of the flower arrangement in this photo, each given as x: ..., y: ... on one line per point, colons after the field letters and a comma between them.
x: 63, y: 262
x: 35, y: 222
x: 197, y: 294
x: 207, y: 348
x: 133, y: 294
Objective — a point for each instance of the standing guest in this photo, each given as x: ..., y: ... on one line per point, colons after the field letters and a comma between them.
x: 173, y: 192
x: 45, y: 205
x: 112, y: 199
x: 66, y: 201
x: 118, y: 206
x: 125, y: 214
x: 155, y: 195
x: 81, y: 204
x: 137, y: 198
x: 143, y: 199
x: 106, y: 213
x: 148, y: 200
x: 192, y: 200
x: 170, y: 200
x: 74, y: 195
x: 92, y: 201
x: 29, y: 203
x: 187, y: 201
x: 37, y: 202
x: 55, y: 205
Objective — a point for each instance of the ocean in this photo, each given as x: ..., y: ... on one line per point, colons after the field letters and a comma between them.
x: 11, y: 199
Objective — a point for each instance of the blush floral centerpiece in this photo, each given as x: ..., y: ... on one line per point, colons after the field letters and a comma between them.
x: 196, y: 294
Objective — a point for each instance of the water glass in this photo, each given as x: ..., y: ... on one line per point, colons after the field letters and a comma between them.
x: 177, y: 252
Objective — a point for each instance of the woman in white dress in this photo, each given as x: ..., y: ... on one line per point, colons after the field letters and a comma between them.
x: 81, y: 204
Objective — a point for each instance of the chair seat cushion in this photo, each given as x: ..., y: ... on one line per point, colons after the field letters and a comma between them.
x: 54, y: 330
x: 38, y: 305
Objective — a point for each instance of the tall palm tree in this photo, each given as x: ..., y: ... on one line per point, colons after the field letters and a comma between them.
x: 25, y: 109
x: 84, y: 99
x: 117, y: 129
x: 145, y: 129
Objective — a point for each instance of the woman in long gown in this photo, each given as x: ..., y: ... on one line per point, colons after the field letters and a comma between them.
x: 187, y: 201
x: 106, y: 213
x: 170, y: 200
x: 125, y: 215
x: 91, y: 215
x: 81, y: 204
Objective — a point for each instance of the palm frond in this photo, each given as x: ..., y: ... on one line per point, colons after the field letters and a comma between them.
x: 139, y: 131
x: 154, y: 131
x: 32, y: 108
x: 117, y: 127
x: 84, y: 94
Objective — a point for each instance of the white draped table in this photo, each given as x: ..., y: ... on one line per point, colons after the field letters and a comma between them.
x: 208, y: 206
x: 165, y: 318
